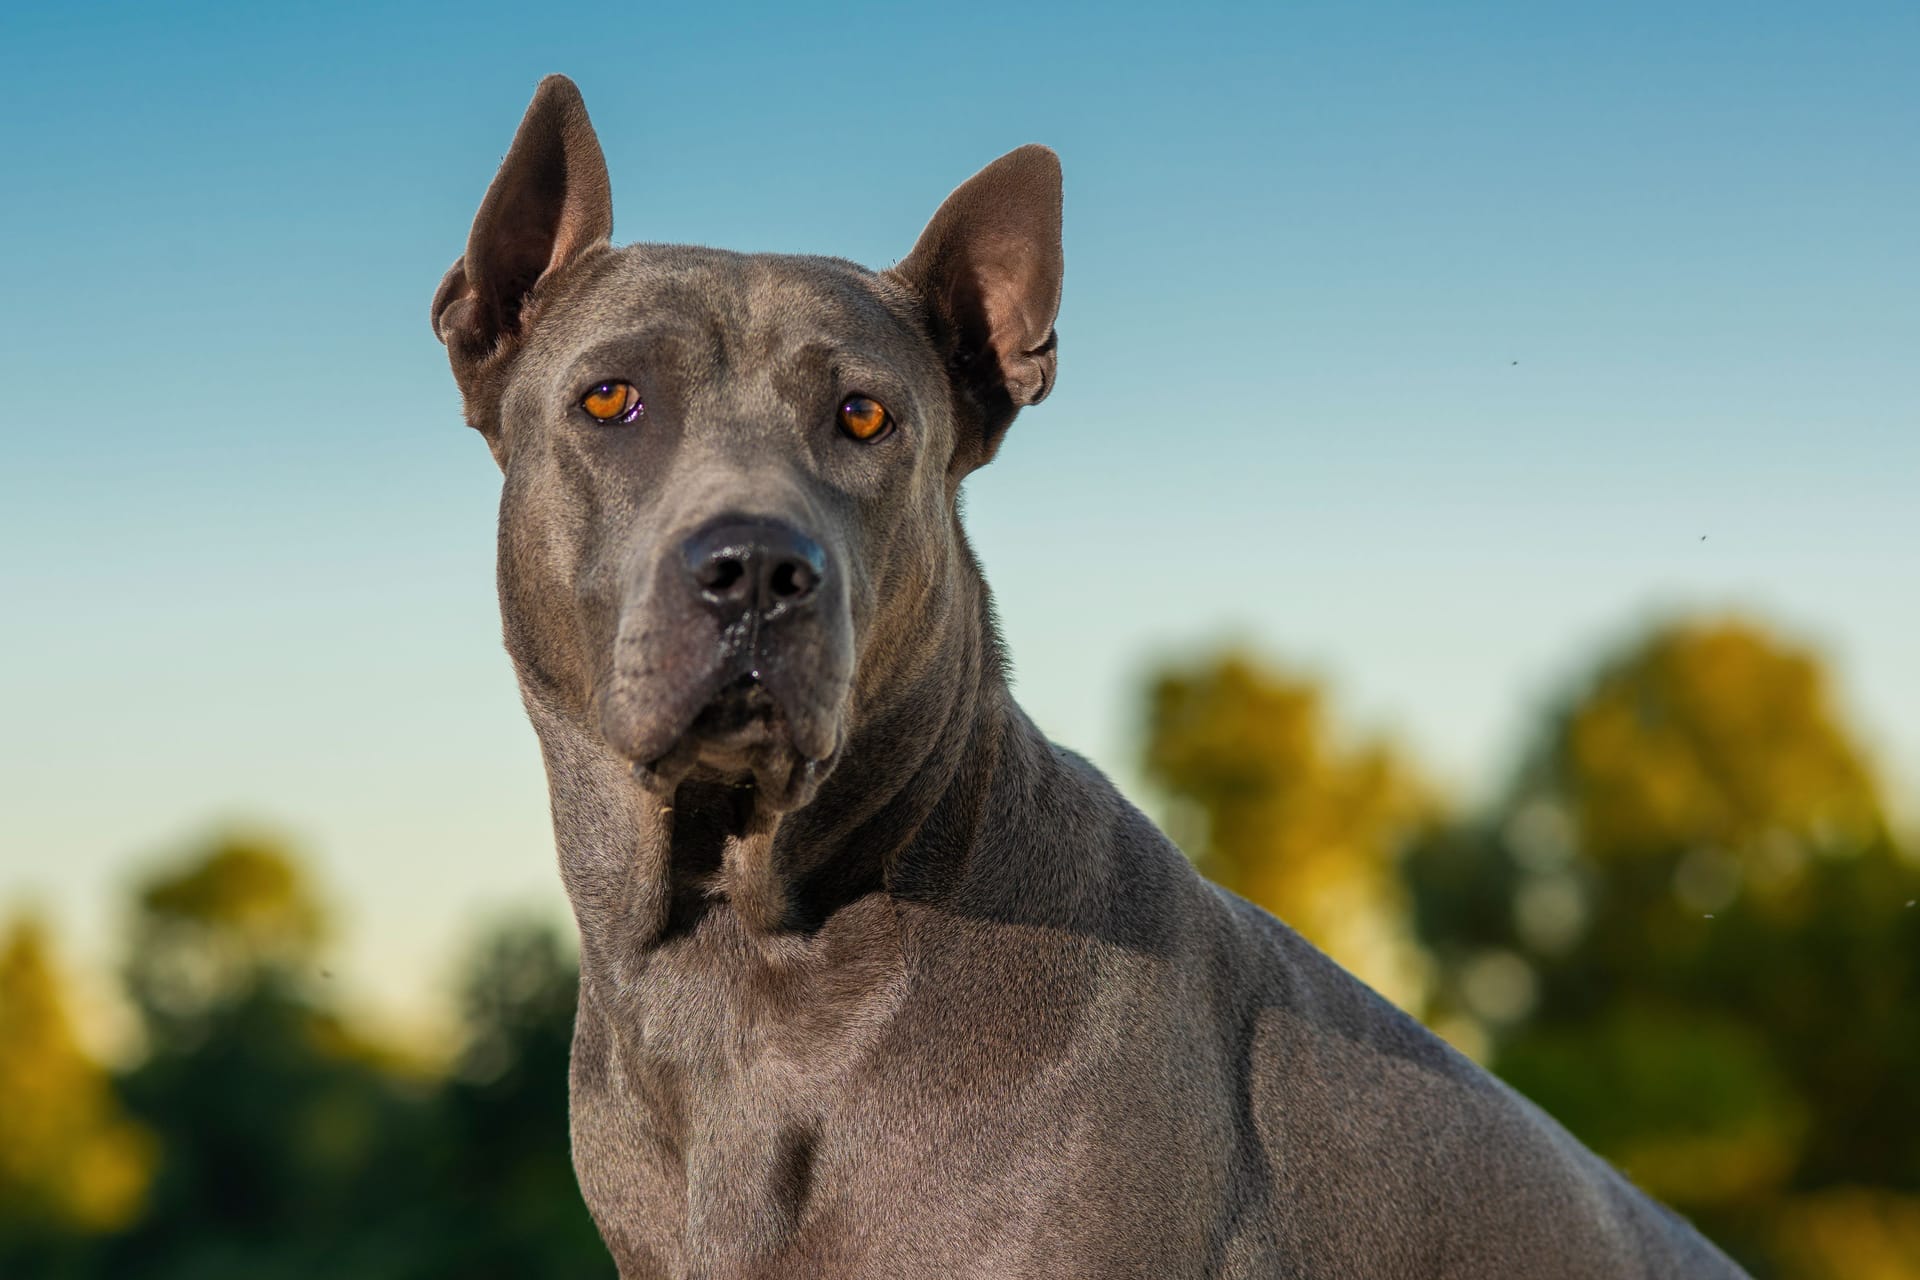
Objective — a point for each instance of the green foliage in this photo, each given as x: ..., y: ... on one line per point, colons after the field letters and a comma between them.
x: 508, y: 1104
x: 1694, y: 873
x: 287, y: 1148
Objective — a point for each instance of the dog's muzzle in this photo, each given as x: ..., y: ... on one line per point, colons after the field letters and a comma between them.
x: 735, y: 665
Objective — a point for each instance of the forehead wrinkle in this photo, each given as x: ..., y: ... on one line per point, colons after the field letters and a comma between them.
x: 804, y: 364
x: 819, y: 325
x: 716, y: 347
x: 742, y: 334
x: 691, y: 299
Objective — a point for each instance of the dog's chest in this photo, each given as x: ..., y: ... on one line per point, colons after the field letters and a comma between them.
x: 723, y: 1061
x: 780, y: 1129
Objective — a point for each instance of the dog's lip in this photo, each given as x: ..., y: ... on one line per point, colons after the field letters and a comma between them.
x: 741, y: 711
x: 740, y: 733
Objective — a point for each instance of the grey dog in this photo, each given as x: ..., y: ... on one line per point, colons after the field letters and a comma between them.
x: 875, y: 980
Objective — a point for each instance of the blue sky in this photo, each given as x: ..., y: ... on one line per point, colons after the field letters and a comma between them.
x: 1420, y: 345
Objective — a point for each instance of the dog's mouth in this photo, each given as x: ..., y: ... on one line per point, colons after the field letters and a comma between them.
x: 741, y: 713
x: 741, y: 736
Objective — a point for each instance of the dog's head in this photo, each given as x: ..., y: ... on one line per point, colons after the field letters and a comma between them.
x: 727, y: 475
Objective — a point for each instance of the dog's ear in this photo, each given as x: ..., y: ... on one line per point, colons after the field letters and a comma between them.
x: 988, y: 269
x: 549, y: 203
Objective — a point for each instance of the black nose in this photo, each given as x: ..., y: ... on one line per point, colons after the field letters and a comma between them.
x: 763, y: 566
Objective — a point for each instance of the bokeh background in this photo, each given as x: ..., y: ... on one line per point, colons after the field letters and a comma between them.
x: 1478, y: 516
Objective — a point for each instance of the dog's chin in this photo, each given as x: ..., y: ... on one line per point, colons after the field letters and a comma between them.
x: 741, y: 737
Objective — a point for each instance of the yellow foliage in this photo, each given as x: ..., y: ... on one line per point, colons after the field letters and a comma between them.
x: 1705, y: 1168
x: 1304, y: 825
x: 246, y: 888
x: 68, y: 1156
x: 209, y: 930
x: 1714, y: 735
x: 1851, y: 1233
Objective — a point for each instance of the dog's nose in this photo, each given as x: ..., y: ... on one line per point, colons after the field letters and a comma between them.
x: 763, y: 566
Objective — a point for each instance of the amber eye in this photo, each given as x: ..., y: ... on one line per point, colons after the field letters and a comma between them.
x: 612, y: 402
x: 864, y: 418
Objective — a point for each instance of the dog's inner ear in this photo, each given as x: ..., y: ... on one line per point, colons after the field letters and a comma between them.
x: 988, y: 268
x: 549, y: 202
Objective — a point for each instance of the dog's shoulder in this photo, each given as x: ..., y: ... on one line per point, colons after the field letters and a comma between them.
x: 1371, y: 1136
x: 1390, y: 1142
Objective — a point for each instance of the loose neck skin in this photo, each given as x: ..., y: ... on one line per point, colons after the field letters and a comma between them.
x: 898, y: 814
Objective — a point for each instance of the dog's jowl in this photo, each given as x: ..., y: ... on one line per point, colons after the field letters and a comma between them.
x: 875, y: 980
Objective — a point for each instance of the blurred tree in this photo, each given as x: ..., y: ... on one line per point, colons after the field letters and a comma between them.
x: 286, y: 1140
x: 295, y: 1148
x: 212, y: 934
x: 520, y: 1206
x: 1270, y: 804
x: 1851, y: 1233
x: 1711, y: 736
x: 1685, y: 932
x: 70, y: 1160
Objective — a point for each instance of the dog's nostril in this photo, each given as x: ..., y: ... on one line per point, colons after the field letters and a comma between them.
x: 766, y: 566
x: 791, y: 580
x: 721, y: 573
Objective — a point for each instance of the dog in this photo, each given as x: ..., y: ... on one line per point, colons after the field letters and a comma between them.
x: 875, y: 980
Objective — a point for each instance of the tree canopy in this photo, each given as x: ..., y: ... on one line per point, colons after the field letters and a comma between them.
x: 261, y: 1135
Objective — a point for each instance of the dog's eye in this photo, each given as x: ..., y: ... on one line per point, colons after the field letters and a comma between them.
x: 864, y: 418
x: 612, y: 402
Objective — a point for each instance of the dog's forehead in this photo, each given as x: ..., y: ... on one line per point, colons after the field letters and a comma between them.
x: 758, y: 305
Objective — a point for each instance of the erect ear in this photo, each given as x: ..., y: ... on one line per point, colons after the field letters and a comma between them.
x: 988, y: 269
x: 549, y: 203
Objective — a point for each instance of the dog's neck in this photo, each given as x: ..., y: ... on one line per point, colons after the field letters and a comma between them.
x: 897, y: 814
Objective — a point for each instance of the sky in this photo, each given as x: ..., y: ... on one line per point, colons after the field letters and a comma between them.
x: 1433, y: 350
